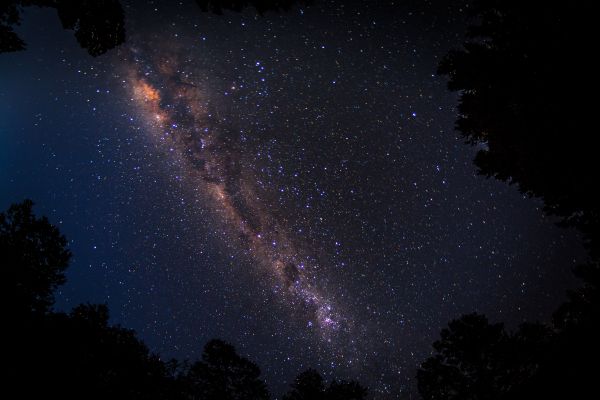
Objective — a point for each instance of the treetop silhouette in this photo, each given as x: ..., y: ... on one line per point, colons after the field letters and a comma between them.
x: 309, y: 385
x: 223, y: 374
x: 522, y: 76
x: 99, y: 25
x: 478, y: 360
x: 34, y: 259
x: 81, y: 355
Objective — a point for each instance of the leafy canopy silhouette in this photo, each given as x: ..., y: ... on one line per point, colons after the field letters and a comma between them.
x: 99, y: 25
x: 81, y: 355
x: 34, y: 259
x: 309, y: 385
x: 223, y: 374
x: 478, y: 360
x: 522, y: 76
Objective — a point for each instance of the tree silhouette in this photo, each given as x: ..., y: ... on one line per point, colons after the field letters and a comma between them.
x: 57, y: 355
x: 223, y: 375
x: 478, y: 360
x: 9, y: 16
x: 522, y: 75
x: 99, y: 25
x: 34, y: 258
x: 345, y: 390
x: 309, y: 385
x: 81, y: 355
x: 576, y: 354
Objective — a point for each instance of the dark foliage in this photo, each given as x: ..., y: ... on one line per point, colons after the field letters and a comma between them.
x: 478, y: 360
x: 576, y: 347
x: 55, y: 355
x: 223, y: 375
x: 309, y: 385
x: 81, y: 355
x: 34, y: 256
x: 9, y: 16
x: 99, y: 25
x: 345, y: 390
x: 523, y: 75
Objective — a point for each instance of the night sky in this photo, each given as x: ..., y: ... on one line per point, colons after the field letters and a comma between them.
x: 290, y: 183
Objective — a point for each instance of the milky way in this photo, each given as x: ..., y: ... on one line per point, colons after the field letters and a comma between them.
x: 181, y: 118
x: 289, y: 183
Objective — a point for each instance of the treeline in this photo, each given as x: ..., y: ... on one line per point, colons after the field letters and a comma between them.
x: 81, y: 355
x: 523, y: 74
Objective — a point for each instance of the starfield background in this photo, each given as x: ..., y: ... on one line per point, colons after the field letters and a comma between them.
x: 296, y: 199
